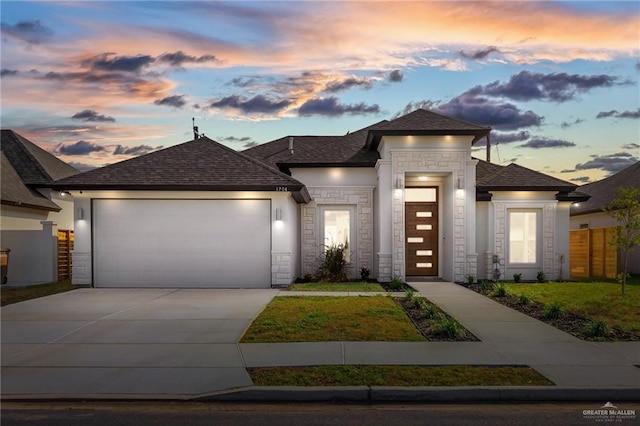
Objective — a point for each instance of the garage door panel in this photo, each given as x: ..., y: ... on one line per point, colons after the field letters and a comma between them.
x: 182, y: 243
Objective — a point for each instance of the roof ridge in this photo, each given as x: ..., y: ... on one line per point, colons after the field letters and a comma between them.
x: 20, y: 143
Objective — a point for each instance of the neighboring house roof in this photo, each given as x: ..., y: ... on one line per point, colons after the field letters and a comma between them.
x: 15, y: 193
x: 26, y: 166
x: 602, y: 192
x: 202, y: 164
x: 359, y: 148
x: 493, y: 177
x: 34, y: 165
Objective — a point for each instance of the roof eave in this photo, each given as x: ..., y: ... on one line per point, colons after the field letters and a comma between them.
x: 30, y: 206
x: 374, y: 136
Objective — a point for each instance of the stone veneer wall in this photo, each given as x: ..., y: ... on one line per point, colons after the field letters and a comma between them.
x: 432, y: 161
x: 549, y: 262
x: 281, y: 268
x: 312, y: 242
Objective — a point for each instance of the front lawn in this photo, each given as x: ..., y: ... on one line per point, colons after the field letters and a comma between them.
x: 11, y: 295
x: 353, y: 287
x: 397, y: 375
x: 321, y: 319
x: 596, y: 300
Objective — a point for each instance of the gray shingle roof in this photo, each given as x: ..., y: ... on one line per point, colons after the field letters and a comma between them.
x: 602, y: 191
x: 348, y: 150
x: 14, y: 192
x: 34, y: 165
x: 201, y: 164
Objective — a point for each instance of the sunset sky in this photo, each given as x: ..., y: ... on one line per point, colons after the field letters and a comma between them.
x: 99, y: 82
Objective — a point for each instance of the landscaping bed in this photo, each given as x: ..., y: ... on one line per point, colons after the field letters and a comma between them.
x: 397, y: 375
x: 601, y: 326
x: 432, y: 322
x: 10, y: 295
x: 344, y: 286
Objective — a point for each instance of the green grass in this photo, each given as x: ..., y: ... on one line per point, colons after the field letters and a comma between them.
x: 596, y: 300
x: 321, y: 319
x: 9, y: 295
x: 397, y: 375
x: 355, y: 286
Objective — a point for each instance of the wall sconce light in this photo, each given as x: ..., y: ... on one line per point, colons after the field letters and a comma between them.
x: 398, y: 183
x: 64, y: 193
x: 460, y: 183
x: 278, y: 214
x: 80, y: 213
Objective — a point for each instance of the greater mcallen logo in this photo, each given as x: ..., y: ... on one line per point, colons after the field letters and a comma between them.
x: 609, y: 413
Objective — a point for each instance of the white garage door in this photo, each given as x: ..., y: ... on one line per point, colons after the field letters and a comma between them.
x: 182, y: 243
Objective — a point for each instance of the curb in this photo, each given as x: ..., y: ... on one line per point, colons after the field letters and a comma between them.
x: 382, y: 394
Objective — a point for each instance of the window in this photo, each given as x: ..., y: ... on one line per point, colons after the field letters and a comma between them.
x: 523, y: 236
x: 337, y: 227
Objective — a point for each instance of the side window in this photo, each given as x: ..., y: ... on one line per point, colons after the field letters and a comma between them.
x: 338, y: 227
x: 524, y: 239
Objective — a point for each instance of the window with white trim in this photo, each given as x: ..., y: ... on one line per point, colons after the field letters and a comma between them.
x: 524, y: 236
x: 338, y: 227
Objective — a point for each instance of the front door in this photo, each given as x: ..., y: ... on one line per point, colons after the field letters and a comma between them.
x: 421, y: 243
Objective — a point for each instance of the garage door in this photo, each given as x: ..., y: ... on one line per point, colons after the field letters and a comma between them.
x: 182, y: 243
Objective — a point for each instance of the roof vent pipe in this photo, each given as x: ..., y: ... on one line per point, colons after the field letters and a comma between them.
x: 291, y: 144
x: 488, y: 148
x: 195, y: 129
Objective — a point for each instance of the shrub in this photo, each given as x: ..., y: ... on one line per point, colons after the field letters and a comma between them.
x: 500, y: 290
x: 486, y: 286
x: 420, y: 303
x: 541, y: 277
x: 411, y: 294
x: 597, y: 329
x: 449, y: 328
x: 430, y: 311
x: 554, y: 311
x: 396, y: 283
x: 334, y: 263
x: 523, y: 299
x: 364, y: 274
x: 517, y: 278
x: 470, y: 279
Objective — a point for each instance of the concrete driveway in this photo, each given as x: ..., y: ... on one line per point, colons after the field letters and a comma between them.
x: 128, y: 342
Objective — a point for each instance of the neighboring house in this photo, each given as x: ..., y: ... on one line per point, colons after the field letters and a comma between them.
x: 31, y: 213
x: 405, y: 194
x: 589, y: 214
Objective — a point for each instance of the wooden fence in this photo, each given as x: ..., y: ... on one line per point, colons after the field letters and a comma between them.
x: 65, y: 245
x: 591, y: 254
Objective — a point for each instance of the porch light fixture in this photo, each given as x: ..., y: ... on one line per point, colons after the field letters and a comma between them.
x: 64, y: 193
x: 398, y: 183
x: 278, y: 215
x: 80, y: 213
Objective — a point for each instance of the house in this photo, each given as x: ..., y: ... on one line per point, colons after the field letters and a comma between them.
x: 588, y: 215
x: 31, y: 213
x: 405, y: 194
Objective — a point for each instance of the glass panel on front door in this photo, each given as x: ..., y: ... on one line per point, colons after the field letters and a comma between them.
x: 337, y: 230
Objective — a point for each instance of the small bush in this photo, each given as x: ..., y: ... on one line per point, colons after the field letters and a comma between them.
x: 517, y: 278
x: 523, y: 299
x: 449, y: 328
x: 365, y: 274
x: 396, y: 283
x: 486, y: 286
x: 541, y: 277
x: 597, y: 329
x: 411, y: 294
x: 554, y: 311
x: 500, y: 290
x: 430, y: 311
x: 420, y: 303
x: 470, y: 279
x: 334, y: 263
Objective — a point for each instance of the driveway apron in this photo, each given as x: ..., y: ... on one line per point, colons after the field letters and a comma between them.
x: 129, y: 342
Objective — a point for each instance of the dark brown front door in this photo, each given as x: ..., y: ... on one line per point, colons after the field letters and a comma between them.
x: 421, y: 238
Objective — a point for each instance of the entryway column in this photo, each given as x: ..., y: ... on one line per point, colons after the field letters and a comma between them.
x: 384, y: 224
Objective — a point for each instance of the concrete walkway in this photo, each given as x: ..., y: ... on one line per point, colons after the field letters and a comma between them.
x: 168, y: 343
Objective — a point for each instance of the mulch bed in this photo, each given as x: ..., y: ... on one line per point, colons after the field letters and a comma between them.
x: 427, y: 326
x: 571, y: 323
